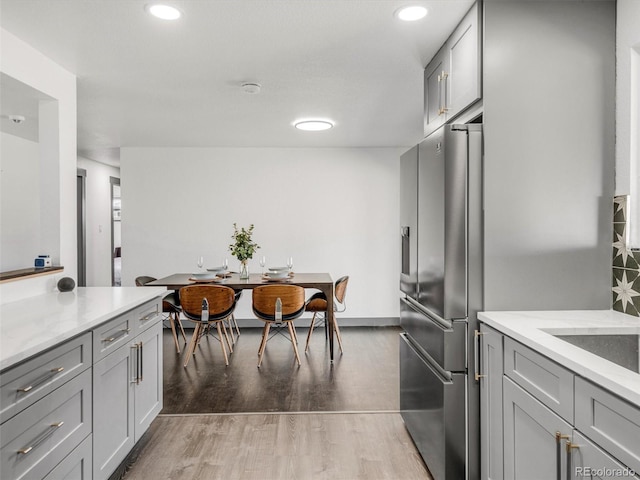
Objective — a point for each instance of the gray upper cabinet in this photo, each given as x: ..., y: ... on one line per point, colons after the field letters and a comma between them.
x: 452, y: 80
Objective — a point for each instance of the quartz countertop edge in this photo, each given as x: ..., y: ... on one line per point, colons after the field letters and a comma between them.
x: 529, y: 328
x: 35, y: 324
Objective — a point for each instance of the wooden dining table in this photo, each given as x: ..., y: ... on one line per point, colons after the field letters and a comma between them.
x: 318, y: 281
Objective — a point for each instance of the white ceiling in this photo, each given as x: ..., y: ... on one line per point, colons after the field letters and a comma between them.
x: 147, y: 82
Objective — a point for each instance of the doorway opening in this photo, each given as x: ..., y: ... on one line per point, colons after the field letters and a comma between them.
x: 116, y: 233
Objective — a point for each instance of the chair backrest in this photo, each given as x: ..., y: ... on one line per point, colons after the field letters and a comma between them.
x: 291, y: 296
x: 221, y: 301
x: 341, y: 288
x: 143, y: 280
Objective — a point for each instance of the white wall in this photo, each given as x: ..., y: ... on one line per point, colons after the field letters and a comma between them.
x: 20, y: 197
x: 628, y: 108
x: 98, y: 221
x: 58, y: 147
x: 333, y: 209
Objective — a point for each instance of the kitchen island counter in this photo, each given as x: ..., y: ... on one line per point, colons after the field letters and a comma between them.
x: 536, y: 329
x: 35, y: 324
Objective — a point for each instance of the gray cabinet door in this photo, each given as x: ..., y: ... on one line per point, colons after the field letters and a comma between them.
x: 434, y: 98
x: 491, y: 370
x: 113, y: 414
x: 148, y: 386
x: 463, y: 73
x: 589, y: 461
x: 532, y: 449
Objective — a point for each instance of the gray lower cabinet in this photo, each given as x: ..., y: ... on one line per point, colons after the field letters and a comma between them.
x: 490, y: 378
x: 587, y: 460
x: 533, y: 446
x: 76, y: 465
x: 42, y: 435
x: 127, y: 388
x: 542, y: 421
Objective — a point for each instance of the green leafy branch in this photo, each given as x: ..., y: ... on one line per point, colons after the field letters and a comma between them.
x: 243, y: 247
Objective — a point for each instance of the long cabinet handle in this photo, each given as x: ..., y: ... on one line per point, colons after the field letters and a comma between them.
x: 141, y: 357
x: 121, y: 334
x: 476, y: 355
x: 41, y: 438
x: 136, y: 367
x: 50, y: 374
x: 559, y: 437
x: 149, y: 316
x: 570, y: 446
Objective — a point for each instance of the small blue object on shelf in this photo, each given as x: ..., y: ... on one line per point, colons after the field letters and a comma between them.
x: 42, y: 261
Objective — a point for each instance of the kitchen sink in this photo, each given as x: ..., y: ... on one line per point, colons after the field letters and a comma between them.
x: 621, y: 349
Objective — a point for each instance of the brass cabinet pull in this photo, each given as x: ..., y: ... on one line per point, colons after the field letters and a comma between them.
x: 51, y: 373
x: 559, y: 438
x: 149, y: 316
x: 121, y: 334
x: 570, y: 446
x: 41, y: 438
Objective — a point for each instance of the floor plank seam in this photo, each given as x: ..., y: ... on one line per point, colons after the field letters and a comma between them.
x: 226, y: 414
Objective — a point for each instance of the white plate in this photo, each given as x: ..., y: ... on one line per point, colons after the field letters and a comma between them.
x: 284, y: 274
x: 217, y: 269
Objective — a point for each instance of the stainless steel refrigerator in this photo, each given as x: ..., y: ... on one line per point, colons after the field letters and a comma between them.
x: 441, y: 286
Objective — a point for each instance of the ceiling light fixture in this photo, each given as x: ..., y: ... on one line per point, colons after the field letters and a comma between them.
x: 163, y: 11
x: 411, y: 13
x: 251, y: 88
x: 314, y: 125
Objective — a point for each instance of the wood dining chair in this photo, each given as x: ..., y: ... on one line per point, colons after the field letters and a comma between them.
x: 170, y: 307
x: 264, y: 301
x: 318, y: 304
x: 221, y: 306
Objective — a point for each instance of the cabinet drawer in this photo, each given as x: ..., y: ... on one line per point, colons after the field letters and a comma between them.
x: 544, y: 379
x: 76, y: 465
x: 109, y: 337
x: 38, y: 438
x: 589, y: 461
x: 146, y: 315
x: 29, y: 381
x: 609, y: 421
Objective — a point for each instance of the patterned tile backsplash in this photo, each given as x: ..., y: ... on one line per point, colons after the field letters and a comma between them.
x: 626, y: 263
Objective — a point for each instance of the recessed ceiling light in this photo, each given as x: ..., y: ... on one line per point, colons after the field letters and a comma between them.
x: 163, y: 11
x: 314, y: 125
x: 411, y: 13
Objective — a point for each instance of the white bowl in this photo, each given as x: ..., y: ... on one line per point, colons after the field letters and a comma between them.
x: 217, y: 269
x: 278, y: 269
x: 203, y: 276
x: 278, y: 274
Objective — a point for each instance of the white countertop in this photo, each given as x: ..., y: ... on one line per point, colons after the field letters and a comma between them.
x: 34, y: 324
x: 530, y: 328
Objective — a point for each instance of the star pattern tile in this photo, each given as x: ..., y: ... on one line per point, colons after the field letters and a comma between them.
x: 625, y: 286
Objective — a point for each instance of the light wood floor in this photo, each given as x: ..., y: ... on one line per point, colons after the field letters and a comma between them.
x: 315, y: 421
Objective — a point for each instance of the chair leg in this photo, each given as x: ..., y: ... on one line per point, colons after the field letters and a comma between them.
x: 220, y: 333
x: 294, y: 341
x: 233, y: 319
x: 337, y: 329
x: 233, y: 337
x: 313, y: 322
x: 263, y: 345
x: 184, y: 337
x: 172, y: 323
x: 226, y: 336
x: 192, y: 344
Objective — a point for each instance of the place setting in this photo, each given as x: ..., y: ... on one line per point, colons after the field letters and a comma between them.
x: 212, y: 274
x: 278, y: 274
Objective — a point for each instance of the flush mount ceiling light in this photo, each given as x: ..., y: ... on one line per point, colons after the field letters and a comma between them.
x: 163, y: 11
x: 251, y: 88
x: 411, y: 13
x: 313, y: 125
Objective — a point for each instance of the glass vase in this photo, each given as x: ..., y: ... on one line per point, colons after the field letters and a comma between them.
x: 244, y: 271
